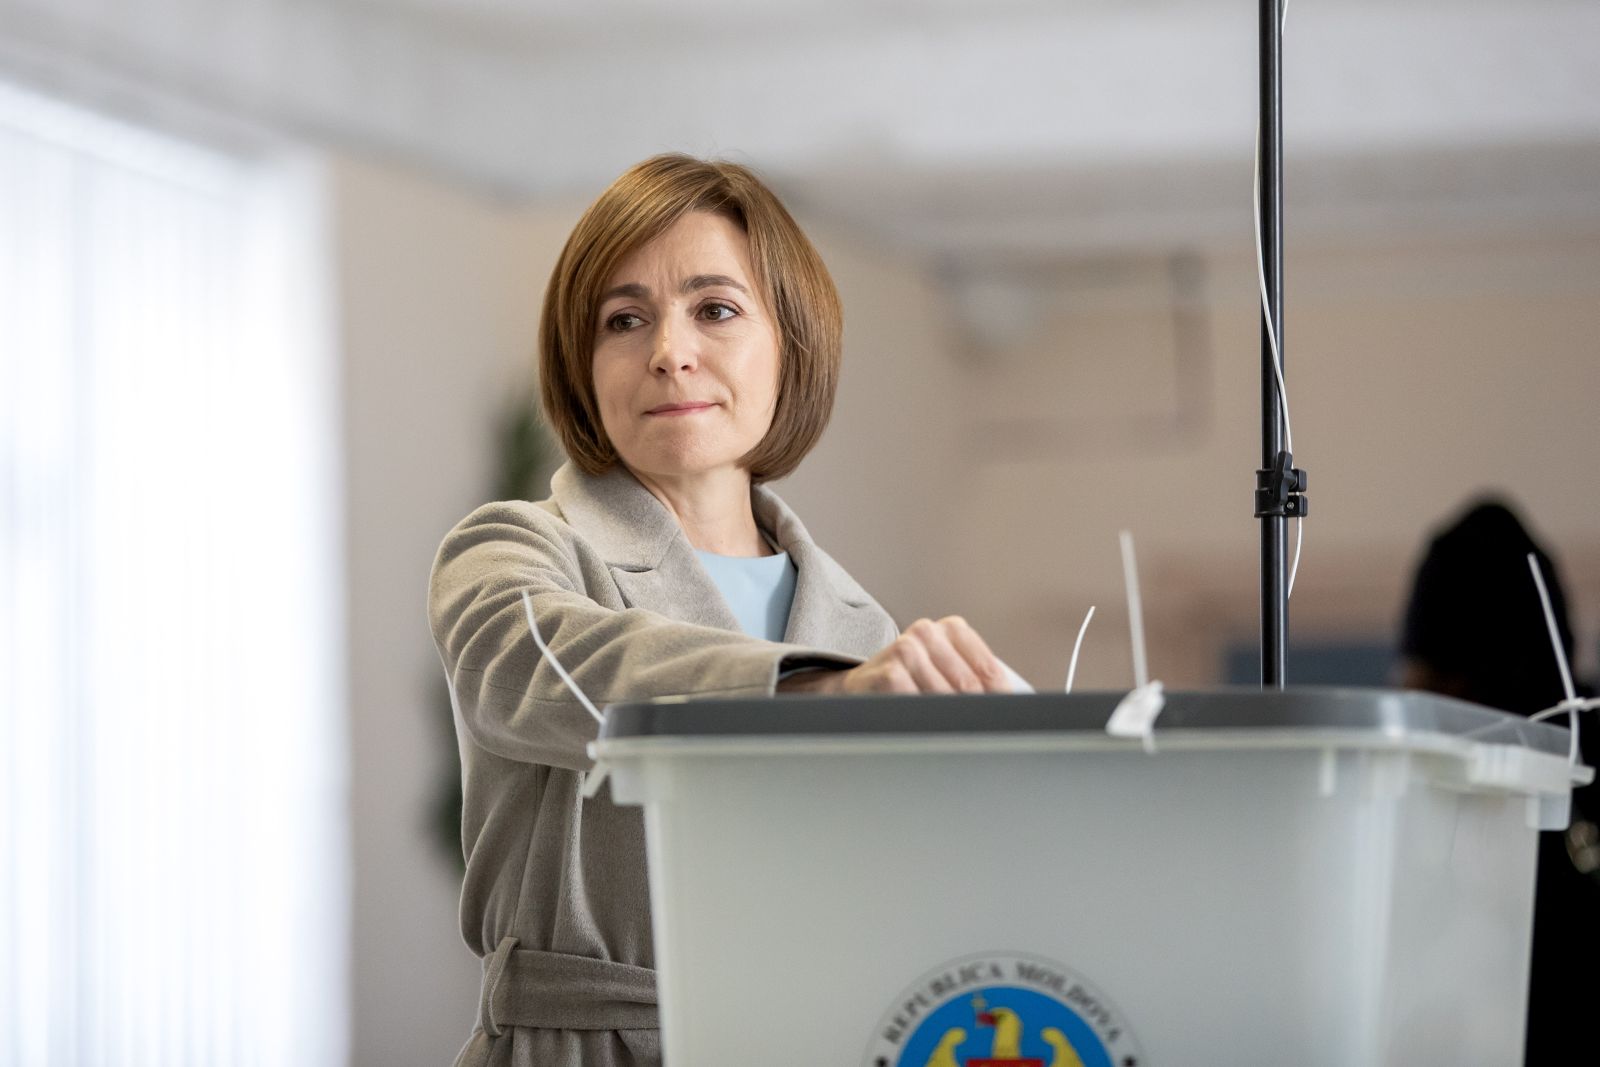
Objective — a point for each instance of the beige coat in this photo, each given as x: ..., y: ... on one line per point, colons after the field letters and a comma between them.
x: 555, y: 897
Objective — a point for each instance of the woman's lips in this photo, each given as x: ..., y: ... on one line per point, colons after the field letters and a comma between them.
x: 679, y: 409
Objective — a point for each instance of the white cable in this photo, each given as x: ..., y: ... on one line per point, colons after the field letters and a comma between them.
x: 1266, y: 302
x: 1072, y: 667
x: 1272, y: 333
x: 1130, y: 581
x: 533, y: 627
x: 1299, y: 539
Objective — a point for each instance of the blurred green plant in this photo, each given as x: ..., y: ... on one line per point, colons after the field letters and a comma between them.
x: 526, y: 457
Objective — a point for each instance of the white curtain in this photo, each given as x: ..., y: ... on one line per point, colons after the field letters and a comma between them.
x: 173, y: 873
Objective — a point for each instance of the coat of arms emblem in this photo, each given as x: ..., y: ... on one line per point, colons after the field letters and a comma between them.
x: 1003, y: 1010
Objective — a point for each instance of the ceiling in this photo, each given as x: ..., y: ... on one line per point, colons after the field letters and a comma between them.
x: 998, y: 127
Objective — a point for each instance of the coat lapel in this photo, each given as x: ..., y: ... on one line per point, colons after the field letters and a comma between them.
x: 655, y: 567
x: 679, y: 589
x: 830, y: 611
x: 650, y: 559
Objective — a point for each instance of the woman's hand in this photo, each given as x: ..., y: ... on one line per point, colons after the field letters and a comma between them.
x: 946, y: 656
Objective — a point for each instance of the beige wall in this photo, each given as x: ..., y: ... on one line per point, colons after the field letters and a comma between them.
x: 438, y: 298
x: 982, y: 457
x: 1418, y: 375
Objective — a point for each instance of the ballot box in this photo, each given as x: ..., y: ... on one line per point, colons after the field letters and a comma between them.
x: 1311, y: 877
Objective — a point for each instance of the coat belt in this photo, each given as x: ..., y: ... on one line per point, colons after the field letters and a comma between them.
x: 552, y: 990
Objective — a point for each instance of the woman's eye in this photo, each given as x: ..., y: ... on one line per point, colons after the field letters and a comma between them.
x: 622, y: 321
x: 718, y: 312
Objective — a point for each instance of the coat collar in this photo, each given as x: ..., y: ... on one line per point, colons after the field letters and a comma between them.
x: 655, y: 566
x: 620, y: 518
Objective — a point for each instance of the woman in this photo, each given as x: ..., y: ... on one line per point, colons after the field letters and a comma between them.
x: 689, y: 352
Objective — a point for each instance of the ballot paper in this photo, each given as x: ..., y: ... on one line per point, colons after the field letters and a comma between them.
x: 1019, y: 684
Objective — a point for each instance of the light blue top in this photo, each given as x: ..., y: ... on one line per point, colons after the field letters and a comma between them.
x: 759, y: 589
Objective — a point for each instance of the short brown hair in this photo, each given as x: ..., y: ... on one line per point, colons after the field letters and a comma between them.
x: 638, y: 207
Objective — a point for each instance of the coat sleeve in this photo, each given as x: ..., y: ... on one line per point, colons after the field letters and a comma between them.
x: 510, y: 700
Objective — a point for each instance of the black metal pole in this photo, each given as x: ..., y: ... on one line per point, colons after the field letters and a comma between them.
x: 1274, y: 528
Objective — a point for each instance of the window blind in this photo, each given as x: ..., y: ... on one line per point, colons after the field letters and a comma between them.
x: 172, y: 796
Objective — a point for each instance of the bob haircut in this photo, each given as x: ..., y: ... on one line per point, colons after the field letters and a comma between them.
x: 638, y: 207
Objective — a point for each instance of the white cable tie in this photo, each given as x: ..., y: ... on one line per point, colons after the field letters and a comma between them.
x: 1571, y: 702
x: 1567, y: 707
x: 1570, y: 708
x: 1130, y: 582
x: 1550, y: 624
x: 533, y: 628
x: 1135, y: 714
x: 1077, y: 646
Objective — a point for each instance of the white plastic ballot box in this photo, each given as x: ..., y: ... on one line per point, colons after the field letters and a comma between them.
x: 1312, y: 877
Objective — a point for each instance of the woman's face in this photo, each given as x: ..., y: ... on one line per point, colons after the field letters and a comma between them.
x: 686, y: 353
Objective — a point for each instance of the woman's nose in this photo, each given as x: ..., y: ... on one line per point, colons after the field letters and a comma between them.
x: 674, y: 352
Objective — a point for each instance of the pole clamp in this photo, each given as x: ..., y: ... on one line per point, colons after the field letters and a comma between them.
x: 1281, y: 491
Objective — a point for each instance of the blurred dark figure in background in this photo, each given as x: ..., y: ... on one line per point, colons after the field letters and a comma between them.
x: 1474, y: 629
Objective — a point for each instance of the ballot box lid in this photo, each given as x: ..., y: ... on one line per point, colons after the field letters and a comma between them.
x: 1310, y: 716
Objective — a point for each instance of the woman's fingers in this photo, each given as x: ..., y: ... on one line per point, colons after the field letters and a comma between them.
x: 975, y: 651
x: 944, y: 656
x: 938, y: 640
x: 917, y: 658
